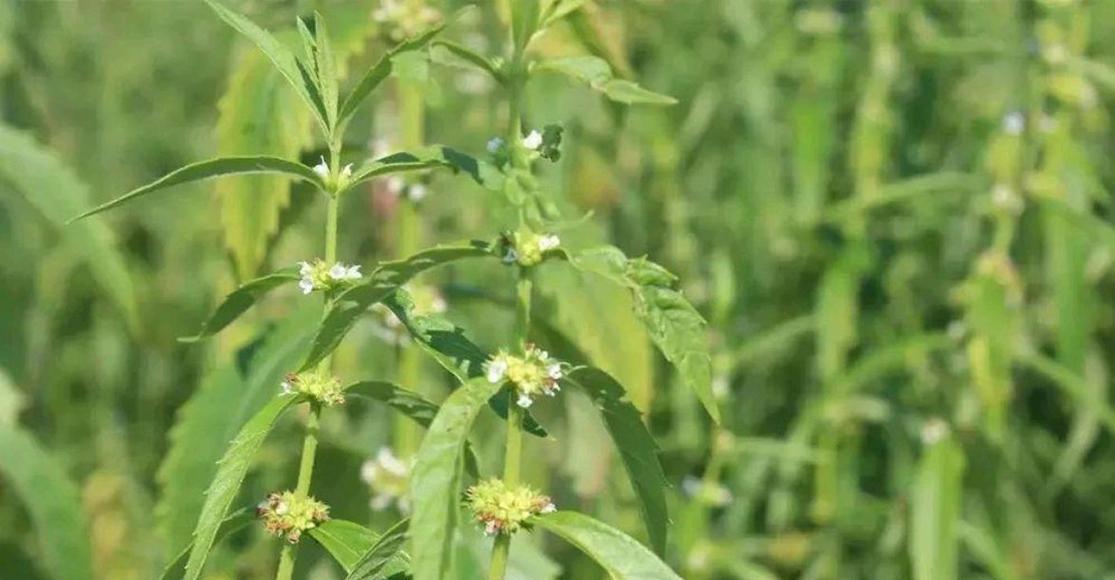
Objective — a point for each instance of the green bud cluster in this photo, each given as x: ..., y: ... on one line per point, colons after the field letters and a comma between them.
x: 503, y: 509
x: 527, y: 248
x: 323, y: 389
x: 288, y: 516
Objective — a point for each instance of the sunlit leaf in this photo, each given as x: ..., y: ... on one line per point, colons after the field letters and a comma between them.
x: 620, y: 555
x: 215, y: 168
x: 435, y: 481
x: 241, y: 299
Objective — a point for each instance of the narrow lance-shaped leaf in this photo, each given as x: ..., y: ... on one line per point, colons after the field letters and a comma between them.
x: 431, y: 157
x: 232, y: 524
x: 619, y: 554
x: 352, y: 303
x: 676, y: 328
x: 349, y: 542
x: 410, y: 404
x: 326, y: 69
x: 233, y: 467
x: 636, y: 448
x: 935, y: 510
x: 241, y: 299
x: 452, y: 53
x: 435, y: 481
x: 53, y: 503
x: 448, y: 345
x: 385, y: 556
x: 215, y: 168
x: 597, y: 74
x: 381, y: 71
x: 279, y: 55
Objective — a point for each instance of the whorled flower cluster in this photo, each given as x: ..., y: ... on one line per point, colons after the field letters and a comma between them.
x: 527, y: 248
x: 326, y: 174
x: 323, y: 389
x: 533, y: 374
x: 502, y: 509
x: 319, y: 275
x: 288, y: 516
x: 389, y: 478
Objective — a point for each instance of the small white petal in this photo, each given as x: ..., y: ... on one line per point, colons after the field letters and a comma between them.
x: 347, y: 171
x: 287, y: 387
x: 554, y: 371
x: 380, y: 502
x: 322, y: 169
x: 549, y: 508
x: 306, y: 285
x: 368, y: 471
x: 305, y: 269
x: 491, y: 528
x: 548, y: 242
x: 282, y: 508
x: 495, y: 144
x: 353, y: 273
x: 417, y: 192
x: 338, y: 271
x: 524, y: 400
x: 533, y: 140
x: 496, y: 370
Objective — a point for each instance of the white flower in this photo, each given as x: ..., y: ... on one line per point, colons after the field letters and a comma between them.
x: 548, y: 242
x: 417, y: 192
x: 524, y: 400
x: 353, y: 273
x: 491, y: 528
x: 554, y: 371
x: 306, y: 284
x: 533, y: 141
x: 387, y: 459
x: 1014, y: 123
x: 282, y: 508
x: 347, y: 171
x: 305, y: 269
x: 495, y: 144
x: 496, y: 370
x: 322, y: 169
x: 338, y: 271
x: 548, y: 508
x: 288, y: 388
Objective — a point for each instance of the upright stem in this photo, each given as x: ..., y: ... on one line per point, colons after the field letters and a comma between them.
x: 309, y: 443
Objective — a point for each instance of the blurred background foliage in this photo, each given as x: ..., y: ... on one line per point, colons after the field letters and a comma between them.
x: 895, y: 215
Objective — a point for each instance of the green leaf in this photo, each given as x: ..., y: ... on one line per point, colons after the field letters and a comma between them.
x: 620, y: 555
x: 326, y: 69
x: 230, y: 474
x: 257, y: 115
x: 676, y: 328
x: 381, y: 71
x: 385, y: 557
x: 447, y: 344
x: 428, y: 158
x: 597, y: 74
x: 279, y: 55
x: 409, y: 403
x: 235, y: 522
x: 241, y: 299
x: 344, y: 540
x: 457, y: 54
x: 435, y: 481
x: 215, y: 168
x: 46, y: 184
x: 213, y: 415
x: 352, y: 303
x: 524, y: 21
x: 935, y: 511
x: 558, y: 9
x: 52, y: 501
x: 636, y: 447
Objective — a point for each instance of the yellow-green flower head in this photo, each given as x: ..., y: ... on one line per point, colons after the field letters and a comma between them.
x: 323, y: 389
x: 287, y: 515
x: 502, y: 509
x: 528, y: 248
x: 319, y: 275
x: 532, y: 374
x: 389, y: 479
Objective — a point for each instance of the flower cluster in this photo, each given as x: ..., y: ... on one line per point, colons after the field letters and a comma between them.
x: 527, y: 248
x: 389, y: 477
x: 545, y: 144
x: 533, y: 374
x: 287, y: 515
x: 502, y: 509
x: 318, y: 275
x: 325, y: 390
x: 323, y: 171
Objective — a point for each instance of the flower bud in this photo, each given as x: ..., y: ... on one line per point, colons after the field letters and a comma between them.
x: 325, y: 390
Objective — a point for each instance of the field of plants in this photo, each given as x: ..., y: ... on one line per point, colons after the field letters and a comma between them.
x: 557, y: 289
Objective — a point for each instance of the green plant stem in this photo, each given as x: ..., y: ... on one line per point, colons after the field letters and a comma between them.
x: 309, y: 442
